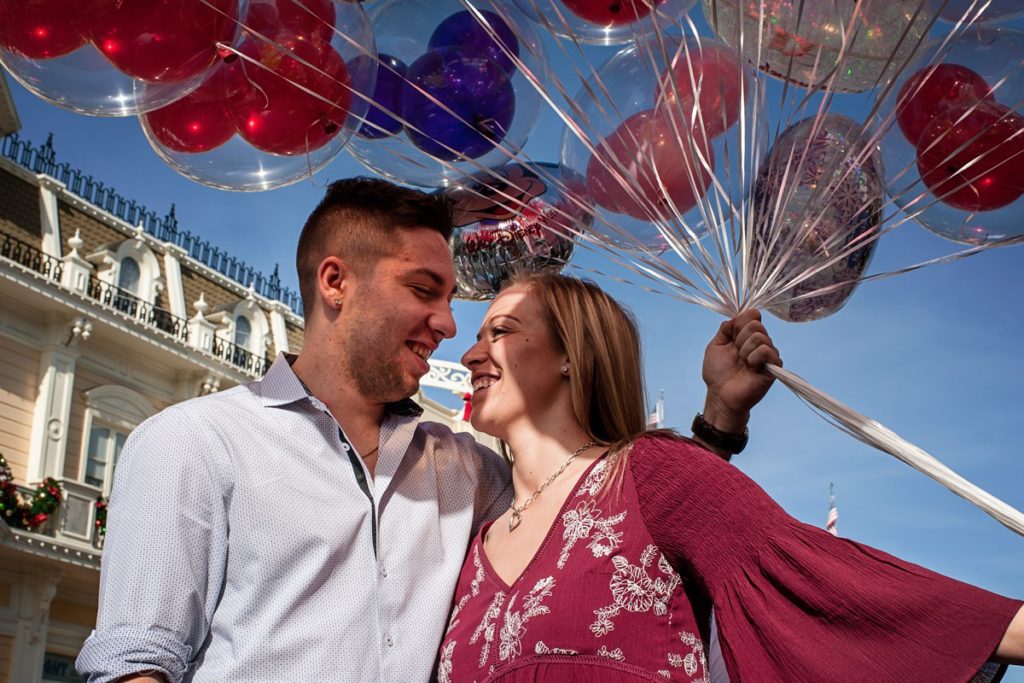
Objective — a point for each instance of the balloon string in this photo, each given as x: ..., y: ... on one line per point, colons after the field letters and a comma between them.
x: 877, y: 435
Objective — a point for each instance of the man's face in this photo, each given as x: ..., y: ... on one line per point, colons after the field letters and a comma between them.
x: 396, y: 314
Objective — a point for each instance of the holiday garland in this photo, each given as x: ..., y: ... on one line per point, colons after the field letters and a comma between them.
x: 33, y: 513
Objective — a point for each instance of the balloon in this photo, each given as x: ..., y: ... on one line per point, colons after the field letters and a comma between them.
x: 816, y: 197
x: 972, y: 157
x: 977, y: 83
x: 654, y: 175
x: 463, y: 30
x: 494, y: 106
x: 643, y: 170
x: 519, y: 217
x: 311, y: 18
x: 460, y: 103
x: 605, y: 22
x: 391, y: 73
x: 932, y: 91
x: 43, y: 29
x: 114, y: 57
x: 954, y: 11
x: 710, y: 77
x: 802, y: 41
x: 287, y: 96
x: 610, y: 12
x: 198, y: 122
x: 273, y: 104
x: 164, y: 40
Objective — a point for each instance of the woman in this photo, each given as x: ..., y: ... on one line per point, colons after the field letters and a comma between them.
x: 618, y: 543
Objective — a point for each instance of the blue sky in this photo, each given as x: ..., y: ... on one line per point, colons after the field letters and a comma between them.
x: 935, y: 355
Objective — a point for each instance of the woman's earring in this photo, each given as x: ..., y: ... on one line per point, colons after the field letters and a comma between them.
x: 565, y: 370
x: 337, y: 303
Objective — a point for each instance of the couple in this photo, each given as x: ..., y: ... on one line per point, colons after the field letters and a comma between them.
x: 307, y: 527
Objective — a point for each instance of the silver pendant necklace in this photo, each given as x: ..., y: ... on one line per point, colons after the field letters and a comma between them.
x: 517, y: 512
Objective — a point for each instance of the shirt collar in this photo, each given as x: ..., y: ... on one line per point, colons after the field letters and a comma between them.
x: 281, y: 386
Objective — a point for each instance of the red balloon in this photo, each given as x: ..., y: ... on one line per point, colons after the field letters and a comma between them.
x: 946, y: 87
x: 611, y: 12
x: 43, y: 29
x: 164, y: 41
x: 198, y: 122
x: 976, y: 164
x: 645, y: 151
x: 270, y: 109
x: 311, y: 18
x: 718, y: 77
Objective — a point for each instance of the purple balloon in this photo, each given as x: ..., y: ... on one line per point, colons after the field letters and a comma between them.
x: 387, y: 98
x: 473, y: 87
x: 463, y: 30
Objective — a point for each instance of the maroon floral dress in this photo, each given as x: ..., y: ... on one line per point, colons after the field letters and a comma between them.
x: 620, y: 587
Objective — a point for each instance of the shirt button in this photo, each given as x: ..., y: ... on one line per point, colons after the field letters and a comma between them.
x: 345, y: 447
x: 384, y: 571
x: 389, y: 642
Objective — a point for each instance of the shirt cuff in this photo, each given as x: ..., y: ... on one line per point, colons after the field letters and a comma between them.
x: 112, y: 653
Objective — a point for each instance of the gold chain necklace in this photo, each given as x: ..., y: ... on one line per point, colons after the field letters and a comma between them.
x: 517, y: 512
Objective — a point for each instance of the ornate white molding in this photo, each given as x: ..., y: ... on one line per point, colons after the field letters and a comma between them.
x: 447, y: 375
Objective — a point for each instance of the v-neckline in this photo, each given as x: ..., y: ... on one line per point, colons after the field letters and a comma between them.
x: 486, y: 561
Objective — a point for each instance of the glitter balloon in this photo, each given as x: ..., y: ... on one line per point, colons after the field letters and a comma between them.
x: 816, y: 197
x: 801, y: 41
x: 519, y: 217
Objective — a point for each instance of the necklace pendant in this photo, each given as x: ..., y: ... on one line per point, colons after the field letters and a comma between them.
x: 514, y: 520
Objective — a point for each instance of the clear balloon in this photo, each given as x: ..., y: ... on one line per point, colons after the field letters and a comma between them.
x: 954, y: 154
x: 980, y: 11
x: 803, y: 41
x: 106, y: 58
x: 462, y: 104
x: 281, y: 108
x: 818, y: 195
x: 655, y: 123
x: 519, y: 217
x: 605, y: 22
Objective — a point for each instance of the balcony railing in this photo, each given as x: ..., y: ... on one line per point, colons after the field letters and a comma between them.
x: 31, y: 257
x: 239, y: 357
x: 136, y: 308
x: 43, y: 159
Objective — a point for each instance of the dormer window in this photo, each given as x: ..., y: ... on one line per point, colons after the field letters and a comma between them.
x: 128, y: 277
x: 243, y: 332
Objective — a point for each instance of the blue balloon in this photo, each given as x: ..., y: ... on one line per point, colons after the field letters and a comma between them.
x: 477, y: 91
x: 387, y: 98
x: 463, y: 30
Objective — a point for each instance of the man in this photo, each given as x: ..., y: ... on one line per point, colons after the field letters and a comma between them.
x: 208, y: 573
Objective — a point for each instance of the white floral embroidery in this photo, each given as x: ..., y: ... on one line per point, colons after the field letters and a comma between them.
x: 594, y: 480
x: 514, y: 628
x: 633, y: 589
x: 541, y: 648
x: 583, y: 520
x: 474, y: 589
x: 694, y: 659
x: 444, y: 668
x: 615, y: 654
x: 666, y: 674
x: 486, y: 627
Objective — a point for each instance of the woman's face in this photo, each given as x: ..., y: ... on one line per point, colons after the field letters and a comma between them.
x: 515, y: 364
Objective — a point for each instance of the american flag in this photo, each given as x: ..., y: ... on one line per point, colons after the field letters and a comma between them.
x: 656, y: 420
x: 833, y: 513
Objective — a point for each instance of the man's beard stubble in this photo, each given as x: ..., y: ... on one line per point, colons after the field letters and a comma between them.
x: 375, y: 370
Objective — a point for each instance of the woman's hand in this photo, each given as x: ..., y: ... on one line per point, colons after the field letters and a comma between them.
x: 734, y: 371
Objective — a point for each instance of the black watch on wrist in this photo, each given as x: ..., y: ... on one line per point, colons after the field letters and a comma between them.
x: 723, y: 441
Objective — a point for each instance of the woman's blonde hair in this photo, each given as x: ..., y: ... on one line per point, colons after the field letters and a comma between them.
x: 600, y: 338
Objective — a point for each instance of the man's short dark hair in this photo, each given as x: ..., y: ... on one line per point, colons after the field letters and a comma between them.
x: 353, y: 221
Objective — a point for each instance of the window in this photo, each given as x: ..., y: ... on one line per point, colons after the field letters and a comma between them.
x: 111, y: 414
x: 105, y: 445
x: 126, y: 298
x: 243, y: 332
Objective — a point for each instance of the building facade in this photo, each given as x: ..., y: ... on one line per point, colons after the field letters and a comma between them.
x: 108, y: 314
